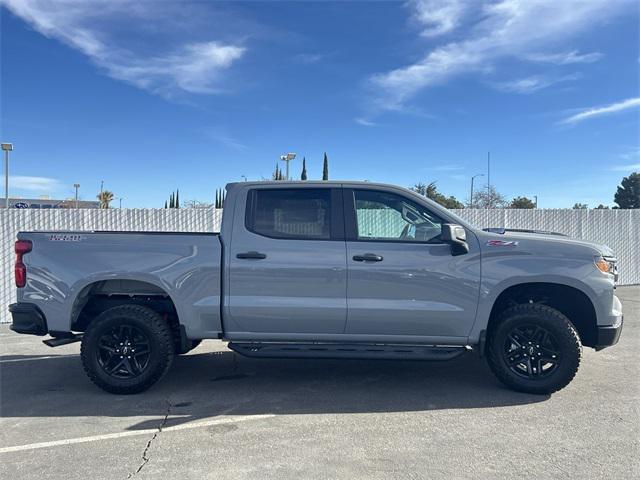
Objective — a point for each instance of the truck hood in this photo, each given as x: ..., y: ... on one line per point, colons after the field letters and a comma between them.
x: 551, y: 238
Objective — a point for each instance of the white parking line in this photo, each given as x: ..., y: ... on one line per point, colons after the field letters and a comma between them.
x: 132, y: 433
x: 37, y: 358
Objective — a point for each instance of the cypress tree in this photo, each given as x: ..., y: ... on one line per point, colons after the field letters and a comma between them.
x: 165, y: 204
x: 177, y: 198
x: 171, y: 200
x: 325, y: 167
x: 304, y: 169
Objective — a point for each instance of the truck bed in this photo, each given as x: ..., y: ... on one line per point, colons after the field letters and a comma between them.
x: 63, y: 268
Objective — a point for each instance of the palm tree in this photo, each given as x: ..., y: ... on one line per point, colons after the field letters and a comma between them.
x: 105, y: 197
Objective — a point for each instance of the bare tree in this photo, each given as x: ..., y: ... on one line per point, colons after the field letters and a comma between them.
x: 489, y: 198
x: 196, y: 204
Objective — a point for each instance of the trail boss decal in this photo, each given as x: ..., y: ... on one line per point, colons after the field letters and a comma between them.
x: 66, y: 238
x: 501, y: 243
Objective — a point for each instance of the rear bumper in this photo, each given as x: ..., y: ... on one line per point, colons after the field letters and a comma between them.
x: 609, y: 335
x: 28, y: 319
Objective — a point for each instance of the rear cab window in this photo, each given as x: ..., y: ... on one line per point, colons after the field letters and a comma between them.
x: 294, y: 213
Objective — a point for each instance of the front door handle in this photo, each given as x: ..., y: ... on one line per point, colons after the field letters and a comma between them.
x: 254, y: 255
x: 368, y: 257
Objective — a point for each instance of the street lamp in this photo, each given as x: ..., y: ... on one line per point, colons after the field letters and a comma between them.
x: 471, y: 197
x: 6, y: 147
x: 76, y: 186
x: 287, y: 158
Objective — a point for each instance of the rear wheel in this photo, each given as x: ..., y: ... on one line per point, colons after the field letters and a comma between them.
x: 126, y: 349
x: 534, y: 349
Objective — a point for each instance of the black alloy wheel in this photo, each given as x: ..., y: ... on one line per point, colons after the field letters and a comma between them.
x: 531, y: 352
x: 123, y: 351
x: 127, y: 348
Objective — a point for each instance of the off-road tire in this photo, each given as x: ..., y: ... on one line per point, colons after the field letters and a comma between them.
x: 554, y: 322
x: 143, y: 320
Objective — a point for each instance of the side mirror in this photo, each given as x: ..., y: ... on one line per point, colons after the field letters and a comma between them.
x: 456, y: 236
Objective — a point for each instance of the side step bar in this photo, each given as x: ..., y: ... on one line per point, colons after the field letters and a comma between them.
x: 341, y: 350
x: 63, y: 340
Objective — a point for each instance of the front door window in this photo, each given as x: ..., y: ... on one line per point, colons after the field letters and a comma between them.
x: 384, y: 216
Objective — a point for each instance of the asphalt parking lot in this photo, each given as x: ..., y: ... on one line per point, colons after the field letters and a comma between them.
x: 218, y: 415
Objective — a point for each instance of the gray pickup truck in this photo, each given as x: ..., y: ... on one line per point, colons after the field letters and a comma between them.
x: 321, y: 270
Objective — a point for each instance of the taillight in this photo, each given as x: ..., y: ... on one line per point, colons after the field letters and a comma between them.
x: 22, y: 247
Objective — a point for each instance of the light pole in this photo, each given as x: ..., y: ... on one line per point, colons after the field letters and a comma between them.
x: 488, y: 177
x: 6, y: 147
x: 287, y: 158
x: 244, y: 176
x: 120, y: 202
x: 536, y: 202
x: 76, y: 186
x: 101, y: 190
x: 471, y: 197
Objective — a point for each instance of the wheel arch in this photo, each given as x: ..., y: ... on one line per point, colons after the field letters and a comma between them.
x: 100, y: 294
x: 571, y: 301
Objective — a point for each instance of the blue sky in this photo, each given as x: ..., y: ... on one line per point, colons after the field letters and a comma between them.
x: 156, y: 95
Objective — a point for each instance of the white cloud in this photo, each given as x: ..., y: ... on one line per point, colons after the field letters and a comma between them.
x: 35, y: 184
x: 193, y: 69
x: 565, y: 58
x: 309, y: 58
x: 534, y: 83
x: 504, y: 29
x: 220, y: 135
x: 631, y: 154
x: 437, y: 17
x: 626, y: 168
x: 601, y: 111
x: 459, y: 178
x: 365, y: 122
x: 95, y: 29
x: 448, y: 168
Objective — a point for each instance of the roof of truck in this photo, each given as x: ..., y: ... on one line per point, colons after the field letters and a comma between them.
x: 311, y: 182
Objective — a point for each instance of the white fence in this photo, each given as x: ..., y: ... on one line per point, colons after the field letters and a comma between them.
x: 620, y: 229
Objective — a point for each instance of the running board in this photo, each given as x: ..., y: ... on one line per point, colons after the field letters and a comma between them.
x: 341, y: 350
x: 65, y: 340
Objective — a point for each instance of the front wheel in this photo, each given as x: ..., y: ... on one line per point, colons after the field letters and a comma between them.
x: 534, y: 349
x: 126, y: 349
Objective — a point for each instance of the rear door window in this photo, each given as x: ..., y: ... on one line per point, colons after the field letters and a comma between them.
x: 301, y: 213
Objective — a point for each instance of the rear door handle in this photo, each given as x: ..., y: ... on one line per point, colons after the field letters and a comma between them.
x: 368, y: 257
x: 254, y: 255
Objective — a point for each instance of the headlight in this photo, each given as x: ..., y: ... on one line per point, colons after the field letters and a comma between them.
x: 607, y: 265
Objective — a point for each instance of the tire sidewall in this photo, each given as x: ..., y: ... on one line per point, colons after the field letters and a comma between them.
x: 158, y: 356
x: 564, y: 334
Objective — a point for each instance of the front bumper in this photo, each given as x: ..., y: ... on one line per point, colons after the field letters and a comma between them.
x: 28, y: 319
x: 609, y: 335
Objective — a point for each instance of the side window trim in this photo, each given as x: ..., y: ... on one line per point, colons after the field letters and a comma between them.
x: 337, y: 227
x: 351, y: 221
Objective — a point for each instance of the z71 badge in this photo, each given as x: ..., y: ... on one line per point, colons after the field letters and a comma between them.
x: 66, y: 238
x: 501, y: 243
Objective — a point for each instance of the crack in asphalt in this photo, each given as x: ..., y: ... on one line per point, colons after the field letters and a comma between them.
x: 145, y: 457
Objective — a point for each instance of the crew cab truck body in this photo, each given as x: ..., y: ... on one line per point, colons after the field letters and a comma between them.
x: 321, y: 269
